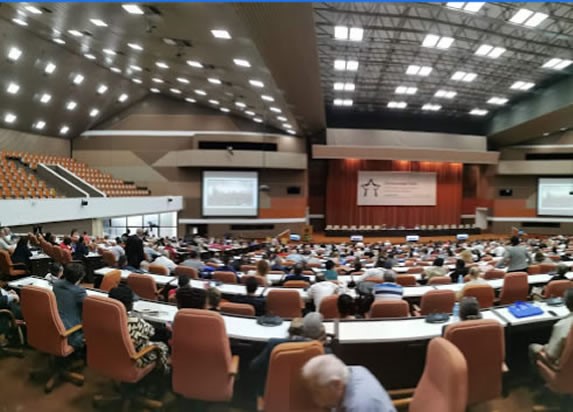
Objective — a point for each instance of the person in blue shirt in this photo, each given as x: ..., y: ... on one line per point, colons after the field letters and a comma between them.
x: 70, y: 298
x: 297, y: 274
x: 330, y: 273
x: 389, y: 289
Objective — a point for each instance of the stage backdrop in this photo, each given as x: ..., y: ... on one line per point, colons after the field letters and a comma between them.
x: 342, y: 200
x: 396, y: 189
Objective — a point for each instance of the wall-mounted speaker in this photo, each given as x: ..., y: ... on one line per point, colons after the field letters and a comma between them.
x: 293, y: 190
x: 506, y: 192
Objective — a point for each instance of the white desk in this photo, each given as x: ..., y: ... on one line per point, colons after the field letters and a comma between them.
x: 561, y: 311
x: 416, y: 291
x: 161, y: 280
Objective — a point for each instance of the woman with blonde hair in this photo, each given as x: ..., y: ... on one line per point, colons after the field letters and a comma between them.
x: 475, y: 278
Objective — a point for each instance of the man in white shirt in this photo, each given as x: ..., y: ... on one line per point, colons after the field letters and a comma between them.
x: 164, y: 260
x: 117, y: 250
x: 320, y: 290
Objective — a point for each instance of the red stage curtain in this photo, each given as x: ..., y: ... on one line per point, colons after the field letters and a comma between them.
x: 341, y: 207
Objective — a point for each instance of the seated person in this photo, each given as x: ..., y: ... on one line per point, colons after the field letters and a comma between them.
x: 373, y: 273
x: 213, y: 299
x: 70, y: 298
x: 357, y: 270
x: 540, y: 258
x: 297, y: 274
x: 194, y: 262
x: 11, y: 301
x: 320, y: 290
x: 330, y: 273
x: 261, y: 271
x: 140, y: 331
x: 469, y: 308
x: 191, y: 298
x: 22, y: 252
x: 335, y: 386
x: 55, y: 272
x: 561, y: 271
x: 460, y: 270
x: 66, y: 244
x: 346, y: 307
x: 278, y: 265
x: 389, y: 289
x: 81, y: 250
x: 550, y: 353
x: 475, y: 279
x: 226, y: 266
x: 164, y: 261
x: 437, y: 269
x: 251, y: 298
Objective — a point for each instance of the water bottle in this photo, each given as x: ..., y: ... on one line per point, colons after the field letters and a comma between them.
x: 456, y: 311
x: 460, y: 279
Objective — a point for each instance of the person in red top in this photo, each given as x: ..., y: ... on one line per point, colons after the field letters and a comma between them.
x: 66, y: 244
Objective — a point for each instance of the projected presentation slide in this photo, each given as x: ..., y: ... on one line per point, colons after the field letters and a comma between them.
x: 555, y: 196
x: 230, y: 193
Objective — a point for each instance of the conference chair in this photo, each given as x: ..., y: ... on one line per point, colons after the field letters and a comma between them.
x: 108, y: 258
x: 110, y: 280
x: 547, y: 267
x: 415, y: 269
x: 284, y: 303
x: 158, y: 269
x: 483, y: 346
x: 246, y: 268
x: 11, y: 325
x: 110, y: 351
x: 515, y: 288
x: 203, y: 366
x: 440, y: 280
x: 391, y: 308
x: 10, y: 269
x: 406, y: 280
x: 494, y: 274
x: 556, y: 288
x: 261, y: 281
x: 301, y: 284
x: 143, y: 286
x: 285, y: 390
x: 444, y: 383
x: 534, y: 270
x: 242, y: 309
x: 46, y: 334
x: 555, y: 258
x: 436, y: 301
x: 483, y: 293
x: 225, y: 277
x: 329, y: 307
x: 190, y: 272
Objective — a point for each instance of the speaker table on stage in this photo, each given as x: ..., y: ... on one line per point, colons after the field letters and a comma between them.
x: 307, y: 233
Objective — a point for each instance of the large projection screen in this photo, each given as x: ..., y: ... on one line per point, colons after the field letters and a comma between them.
x: 230, y: 194
x: 555, y: 196
x: 396, y: 189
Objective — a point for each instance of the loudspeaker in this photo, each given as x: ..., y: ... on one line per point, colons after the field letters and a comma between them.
x: 506, y: 192
x: 293, y: 190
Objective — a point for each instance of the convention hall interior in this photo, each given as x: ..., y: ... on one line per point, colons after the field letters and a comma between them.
x: 286, y: 206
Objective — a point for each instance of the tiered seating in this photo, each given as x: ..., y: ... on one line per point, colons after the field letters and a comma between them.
x: 103, y: 181
x: 18, y: 183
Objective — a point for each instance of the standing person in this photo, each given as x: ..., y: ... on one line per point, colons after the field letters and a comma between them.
x: 70, y: 298
x: 134, y: 249
x: 516, y: 257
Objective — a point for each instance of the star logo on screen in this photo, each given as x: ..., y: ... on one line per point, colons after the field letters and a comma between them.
x: 370, y: 185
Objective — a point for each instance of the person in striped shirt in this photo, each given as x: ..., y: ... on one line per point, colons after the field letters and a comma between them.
x: 389, y: 289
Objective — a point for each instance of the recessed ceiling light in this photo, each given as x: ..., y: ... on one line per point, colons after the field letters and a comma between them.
x: 446, y: 94
x: 214, y: 80
x: 89, y: 56
x: 176, y: 91
x: 528, y: 18
x: 221, y: 34
x: 346, y: 33
x: 215, y: 102
x: 162, y: 65
x: 473, y: 7
x: 346, y: 65
x: 157, y: 80
x: 10, y: 117
x: 190, y: 100
x: 242, y: 62
x: 154, y: 90
x: 342, y: 102
x: 431, y: 107
x: 45, y: 98
x: 200, y: 92
x: 33, y: 10
x: 287, y: 126
x: 194, y: 63
x: 478, y: 112
x: 59, y: 41
x: 437, y: 42
x: 519, y: 85
x: 64, y: 130
x: 464, y: 77
x: 406, y: 90
x: 276, y: 110
x: 257, y: 119
x: 94, y: 112
x: 13, y: 88
x: 78, y: 79
x: 281, y: 119
x: 415, y: 70
x: 75, y: 33
x: 498, y: 101
x: 109, y: 52
x: 115, y: 69
x: 133, y: 9
x: 135, y: 46
x: 40, y: 124
x: 182, y: 80
x: 122, y: 98
x: 135, y: 68
x: 71, y: 105
x: 557, y: 64
x: 102, y: 88
x: 256, y: 83
x: 49, y: 68
x: 19, y: 22
x: 240, y: 104
x: 546, y: 134
x: 267, y: 98
x: 249, y: 113
x: 138, y: 81
x: 490, y: 51
x: 98, y: 22
x: 224, y: 110
x: 397, y: 105
x: 347, y: 87
x: 14, y: 54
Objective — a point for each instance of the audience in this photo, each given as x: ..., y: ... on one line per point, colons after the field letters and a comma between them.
x: 55, y: 272
x: 320, y: 290
x: 297, y: 274
x: 194, y: 262
x: 346, y: 307
x: 134, y: 249
x: 515, y: 257
x: 81, y: 250
x: 330, y: 273
x: 251, y: 298
x: 163, y: 260
x: 437, y: 269
x: 561, y: 271
x: 22, y: 252
x: 475, y: 278
x: 389, y: 289
x: 213, y: 299
x: 70, y: 298
x: 261, y: 271
x: 191, y: 298
x: 469, y: 308
x: 460, y: 270
x: 5, y: 244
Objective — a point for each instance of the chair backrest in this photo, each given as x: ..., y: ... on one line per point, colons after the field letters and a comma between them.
x: 225, y: 277
x: 547, y: 267
x: 440, y: 280
x: 561, y: 381
x: 482, y: 344
x: 415, y: 269
x: 395, y: 308
x: 534, y: 270
x: 201, y: 361
x: 260, y: 280
x: 515, y: 287
x: 158, y: 269
x: 285, y: 390
x: 284, y: 303
x: 110, y: 280
x: 301, y: 284
x: 483, y: 293
x: 444, y: 383
x: 188, y: 271
x: 45, y: 329
x: 109, y: 346
x: 108, y: 258
x: 238, y: 308
x: 143, y: 285
x: 329, y: 307
x: 406, y: 280
x: 5, y: 262
x: 437, y: 301
x: 246, y: 268
x: 494, y: 274
x: 557, y: 288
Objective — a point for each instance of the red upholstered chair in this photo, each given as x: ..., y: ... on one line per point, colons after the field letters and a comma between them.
x: 547, y: 267
x: 46, y: 333
x: 225, y: 277
x: 110, y: 280
x: 260, y: 280
x: 440, y: 280
x: 406, y: 280
x: 483, y: 293
x: 203, y: 367
x: 515, y: 288
x: 556, y: 288
x: 243, y: 309
x: 443, y: 386
x: 494, y: 274
x: 246, y: 268
x: 143, y: 285
x: 391, y: 308
x: 190, y: 272
x: 285, y: 390
x: 10, y: 269
x: 158, y: 269
x: 329, y: 307
x: 110, y: 350
x: 301, y: 284
x: 415, y: 269
x: 437, y: 301
x: 284, y: 303
x: 483, y: 346
x: 534, y: 270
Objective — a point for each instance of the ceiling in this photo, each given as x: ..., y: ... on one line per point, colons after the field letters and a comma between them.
x: 392, y: 40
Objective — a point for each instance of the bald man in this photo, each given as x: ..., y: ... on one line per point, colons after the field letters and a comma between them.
x: 344, y: 388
